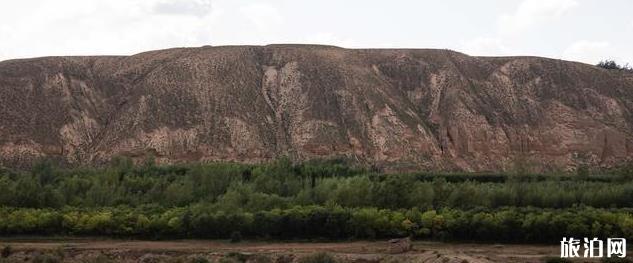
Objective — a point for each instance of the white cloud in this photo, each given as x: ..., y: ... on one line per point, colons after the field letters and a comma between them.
x: 534, y: 12
x: 511, y: 27
x: 484, y: 46
x: 590, y: 52
x: 331, y: 39
x: 90, y: 27
x: 3, y: 56
x: 31, y: 28
x: 265, y: 17
x: 183, y: 7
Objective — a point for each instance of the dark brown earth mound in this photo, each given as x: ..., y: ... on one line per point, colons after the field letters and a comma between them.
x: 403, y: 109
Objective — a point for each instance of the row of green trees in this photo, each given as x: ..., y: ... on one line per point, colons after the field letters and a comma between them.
x: 326, y: 199
x: 283, y: 185
x: 332, y: 222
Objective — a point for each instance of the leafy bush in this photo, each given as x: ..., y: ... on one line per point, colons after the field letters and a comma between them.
x: 46, y: 258
x: 261, y: 259
x: 558, y: 260
x: 321, y: 257
x: 102, y: 258
x: 7, y: 250
x: 229, y: 260
x: 236, y: 237
x: 616, y: 260
x: 237, y: 256
x: 199, y: 260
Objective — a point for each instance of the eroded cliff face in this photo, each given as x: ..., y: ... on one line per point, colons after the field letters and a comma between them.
x: 401, y: 109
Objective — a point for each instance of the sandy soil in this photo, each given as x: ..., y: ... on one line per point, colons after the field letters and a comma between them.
x: 87, y: 250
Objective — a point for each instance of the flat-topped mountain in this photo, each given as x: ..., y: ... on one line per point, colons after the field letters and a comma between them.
x: 395, y: 108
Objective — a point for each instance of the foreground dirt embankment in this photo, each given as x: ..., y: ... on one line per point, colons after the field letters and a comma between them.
x: 85, y: 250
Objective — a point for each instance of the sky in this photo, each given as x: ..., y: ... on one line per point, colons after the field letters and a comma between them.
x: 579, y: 30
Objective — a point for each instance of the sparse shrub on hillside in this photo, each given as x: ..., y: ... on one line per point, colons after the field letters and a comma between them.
x: 608, y: 64
x: 612, y: 65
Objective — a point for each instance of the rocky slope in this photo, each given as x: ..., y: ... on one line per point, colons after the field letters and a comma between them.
x: 400, y: 109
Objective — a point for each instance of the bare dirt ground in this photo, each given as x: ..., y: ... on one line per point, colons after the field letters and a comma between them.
x: 100, y: 250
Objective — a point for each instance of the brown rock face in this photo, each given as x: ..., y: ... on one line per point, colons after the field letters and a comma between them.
x: 403, y: 109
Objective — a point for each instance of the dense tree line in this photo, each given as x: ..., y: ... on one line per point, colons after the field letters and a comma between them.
x: 230, y: 186
x: 318, y: 199
x: 333, y: 222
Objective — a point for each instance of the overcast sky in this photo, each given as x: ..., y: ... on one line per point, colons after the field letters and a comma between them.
x: 581, y: 30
